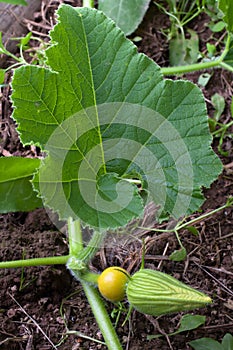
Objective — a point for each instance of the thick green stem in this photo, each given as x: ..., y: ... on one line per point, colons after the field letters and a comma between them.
x: 53, y: 260
x: 102, y: 317
x: 93, y: 246
x: 202, y: 65
x: 189, y: 68
x: 86, y: 277
x: 75, y: 236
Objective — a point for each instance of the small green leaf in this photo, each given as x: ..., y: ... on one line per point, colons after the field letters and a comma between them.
x: 16, y: 190
x: 211, y: 50
x: 189, y: 322
x: 219, y: 105
x: 136, y: 39
x: 178, y: 255
x: 25, y: 40
x: 184, y: 51
x: 226, y: 6
x: 204, y: 79
x: 193, y: 230
x: 227, y: 342
x: 205, y: 344
x: 127, y: 14
x: 217, y: 27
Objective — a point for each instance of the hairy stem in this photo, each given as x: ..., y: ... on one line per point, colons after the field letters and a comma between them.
x: 189, y: 68
x: 77, y: 265
x: 102, y: 317
x: 75, y: 236
x: 53, y: 260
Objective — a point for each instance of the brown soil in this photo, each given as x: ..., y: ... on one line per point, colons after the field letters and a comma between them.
x: 40, y: 306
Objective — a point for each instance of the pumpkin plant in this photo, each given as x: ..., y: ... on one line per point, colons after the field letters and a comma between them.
x: 107, y: 122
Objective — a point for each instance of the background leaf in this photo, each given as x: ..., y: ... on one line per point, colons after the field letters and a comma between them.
x: 219, y: 105
x: 189, y: 322
x: 193, y: 230
x: 227, y: 342
x: 16, y: 190
x: 184, y: 51
x: 228, y: 59
x: 217, y: 27
x: 226, y: 6
x: 205, y: 344
x: 127, y: 14
x: 105, y: 111
x: 178, y: 255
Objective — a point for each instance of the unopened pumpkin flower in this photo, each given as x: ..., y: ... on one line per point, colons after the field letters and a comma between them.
x: 156, y: 293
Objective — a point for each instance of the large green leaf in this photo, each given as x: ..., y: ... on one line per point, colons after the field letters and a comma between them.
x: 127, y: 14
x: 16, y: 190
x: 105, y: 115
